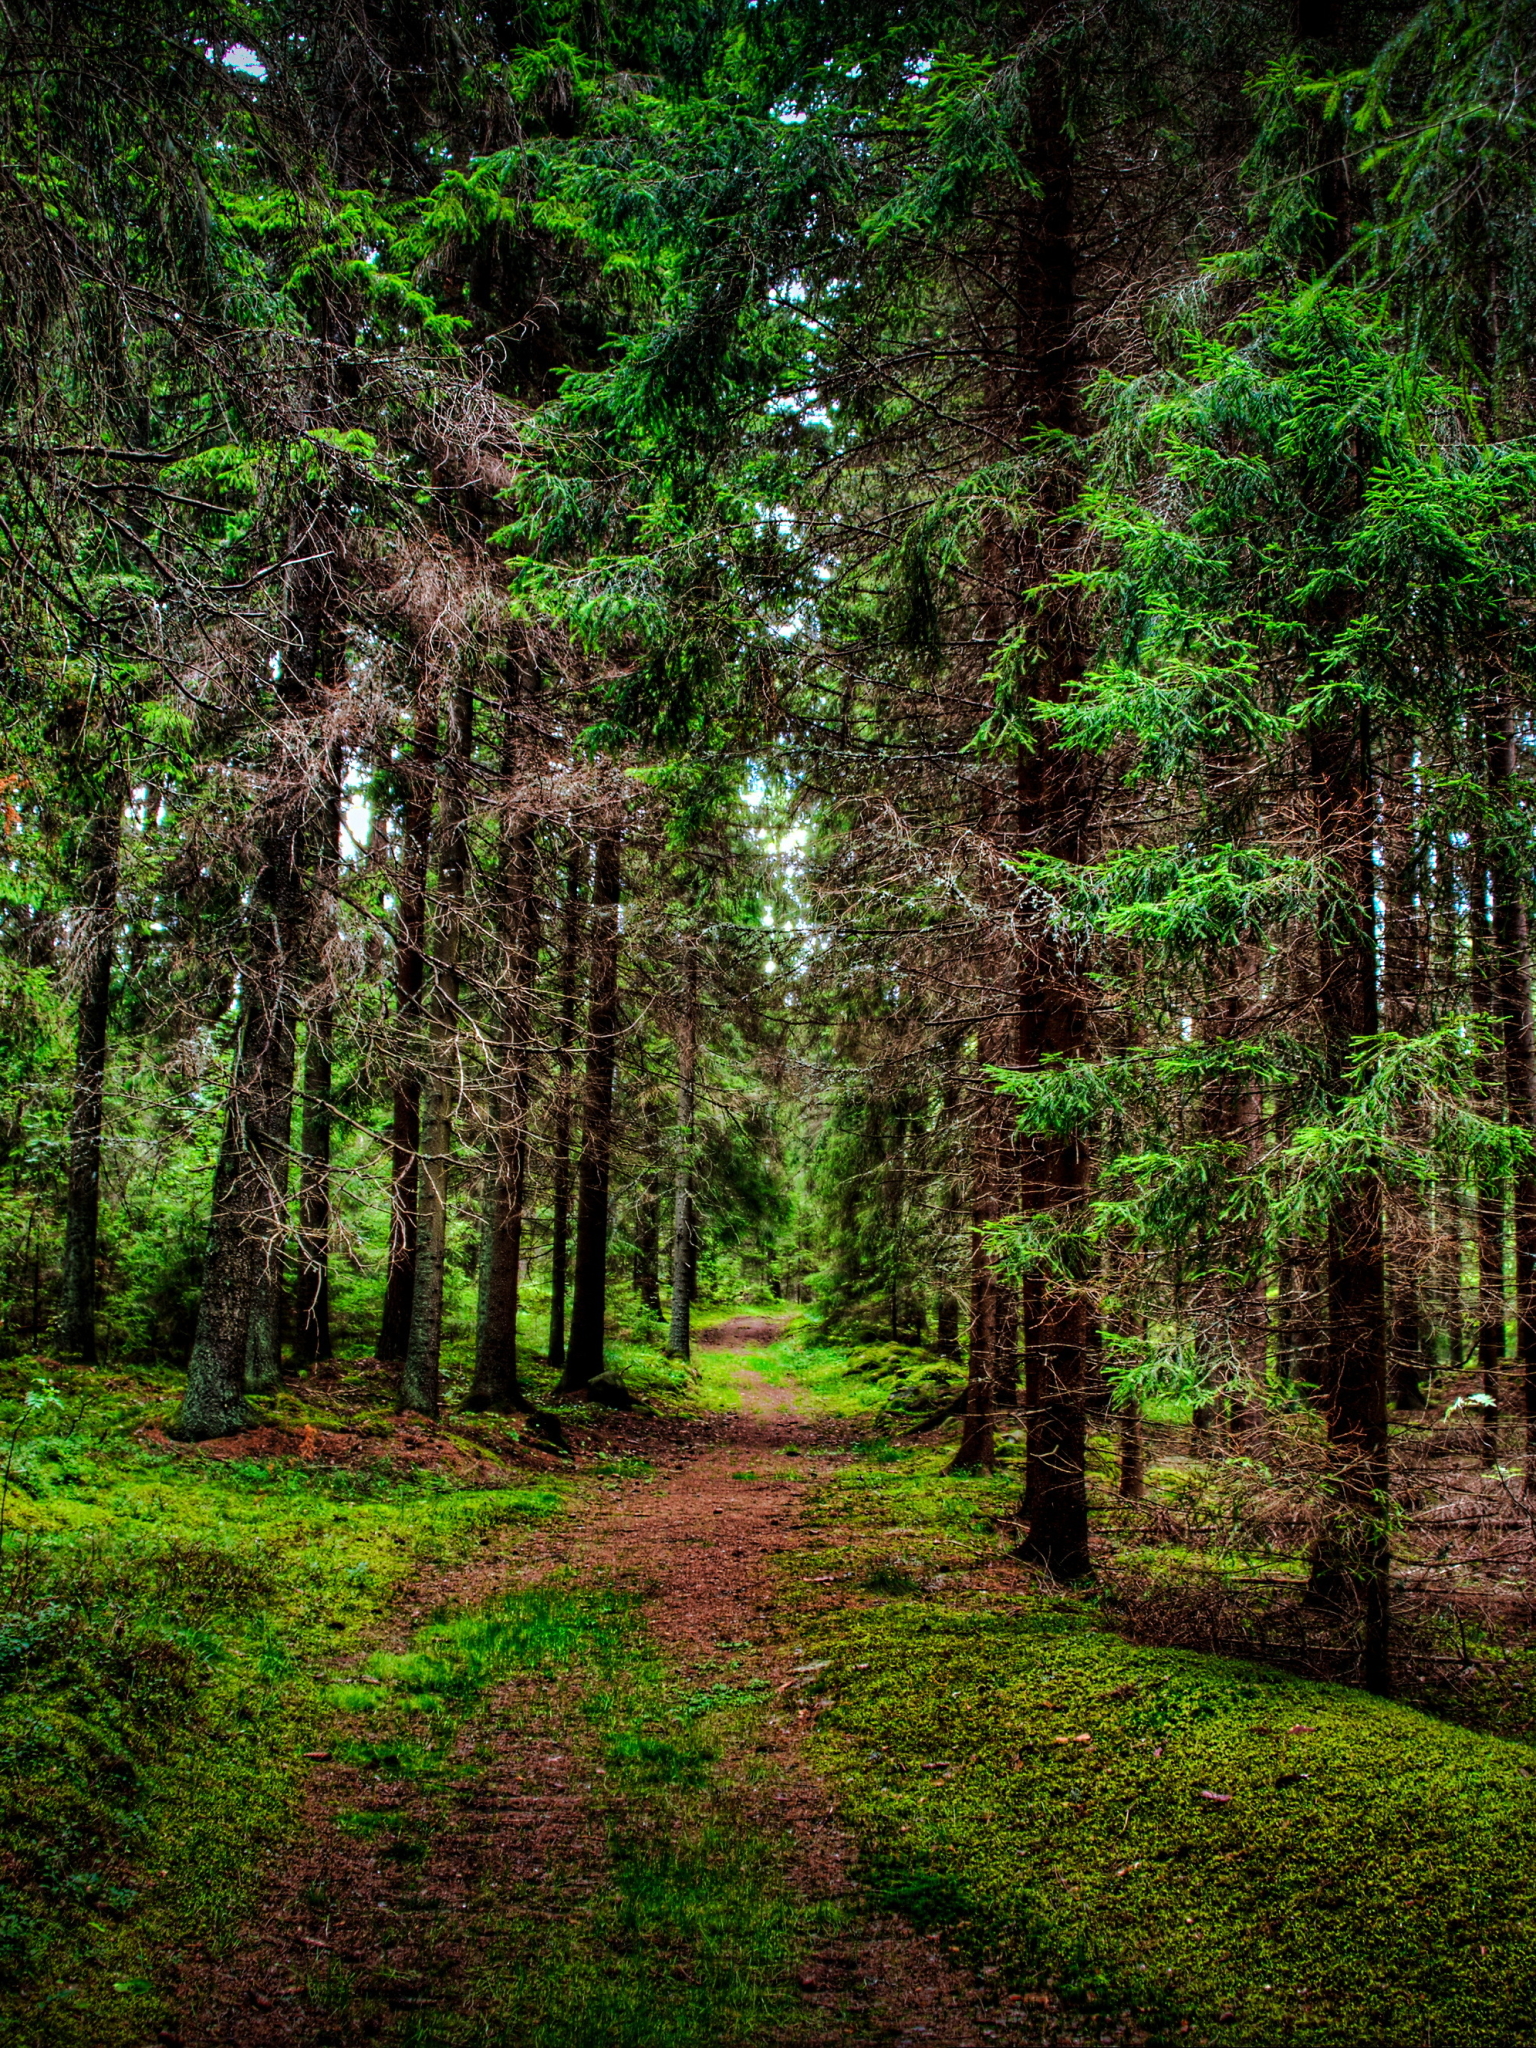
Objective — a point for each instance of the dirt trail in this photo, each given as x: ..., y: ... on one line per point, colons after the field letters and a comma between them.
x: 699, y: 1543
x: 736, y: 1331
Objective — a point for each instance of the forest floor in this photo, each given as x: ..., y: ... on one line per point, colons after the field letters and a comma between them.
x: 537, y: 1831
x: 742, y: 1728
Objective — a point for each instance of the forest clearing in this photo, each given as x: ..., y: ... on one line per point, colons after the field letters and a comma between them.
x: 767, y: 1069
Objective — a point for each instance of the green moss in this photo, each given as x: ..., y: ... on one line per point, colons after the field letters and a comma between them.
x: 1273, y: 1858
x: 170, y: 1629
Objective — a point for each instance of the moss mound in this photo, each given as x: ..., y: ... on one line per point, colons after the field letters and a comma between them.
x: 1187, y: 1838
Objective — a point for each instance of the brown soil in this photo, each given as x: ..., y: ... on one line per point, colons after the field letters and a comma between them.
x: 739, y: 1330
x: 355, y: 1940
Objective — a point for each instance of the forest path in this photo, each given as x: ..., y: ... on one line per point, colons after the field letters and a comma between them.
x: 386, y: 1920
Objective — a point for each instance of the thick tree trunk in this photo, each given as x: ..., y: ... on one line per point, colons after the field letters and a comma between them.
x: 98, y: 906
x: 496, y: 1385
x: 589, y: 1299
x: 679, y: 1338
x: 560, y: 1208
x: 421, y: 1374
x: 312, y: 1292
x: 1352, y: 1567
x: 1054, y: 800
x: 1511, y: 939
x: 410, y: 971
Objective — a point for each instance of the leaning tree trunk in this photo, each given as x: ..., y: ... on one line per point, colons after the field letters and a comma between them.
x: 1352, y: 1566
x: 496, y: 1385
x: 410, y: 972
x: 77, y: 1303
x: 312, y: 1294
x: 679, y: 1334
x: 589, y: 1302
x: 421, y: 1374
x: 1511, y: 940
x: 560, y: 1192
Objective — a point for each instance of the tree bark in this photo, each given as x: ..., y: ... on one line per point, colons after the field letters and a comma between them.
x: 977, y: 1449
x: 589, y: 1301
x: 249, y: 1221
x: 647, y: 1279
x: 421, y: 1374
x: 1132, y: 1456
x: 410, y: 973
x: 312, y: 1293
x: 1351, y: 1568
x: 560, y: 1207
x: 496, y: 1384
x: 1403, y: 971
x: 679, y: 1336
x: 82, y: 1216
x: 1511, y: 942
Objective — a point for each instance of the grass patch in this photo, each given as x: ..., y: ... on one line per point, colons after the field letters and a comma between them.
x: 690, y: 1936
x: 169, y: 1630
x: 817, y: 1372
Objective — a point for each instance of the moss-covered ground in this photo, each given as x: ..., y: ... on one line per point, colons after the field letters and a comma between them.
x: 1222, y: 1852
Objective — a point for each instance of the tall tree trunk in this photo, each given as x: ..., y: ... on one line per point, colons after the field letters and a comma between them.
x: 264, y: 1328
x: 560, y: 1210
x: 1488, y: 1196
x: 249, y: 1221
x: 419, y: 771
x: 990, y: 1148
x: 1403, y: 968
x: 1511, y: 940
x: 1055, y: 795
x: 312, y: 1293
x: 679, y: 1338
x: 98, y: 906
x: 1132, y: 1455
x: 1232, y: 1325
x: 589, y: 1300
x: 496, y: 1384
x: 421, y: 1375
x: 1353, y: 1564
x: 647, y: 1279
